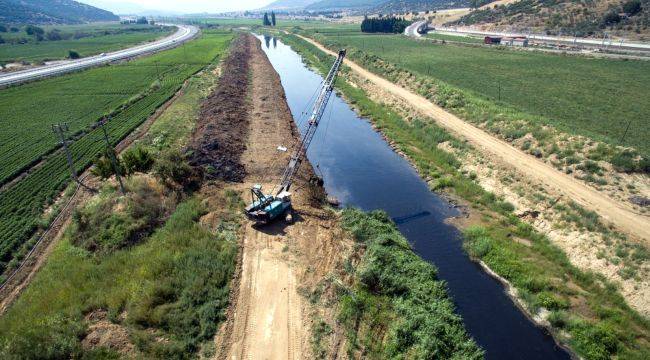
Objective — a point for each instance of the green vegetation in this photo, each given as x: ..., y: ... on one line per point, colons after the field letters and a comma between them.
x: 131, y: 92
x: 474, y: 77
x: 397, y: 308
x: 454, y: 38
x: 86, y: 40
x: 173, y: 286
x: 388, y: 24
x: 141, y: 262
x: 590, y: 309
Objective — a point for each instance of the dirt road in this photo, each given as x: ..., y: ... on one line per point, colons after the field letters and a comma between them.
x: 268, y: 319
x: 621, y: 215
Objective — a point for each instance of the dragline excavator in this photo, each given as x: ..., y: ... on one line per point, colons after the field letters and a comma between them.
x: 265, y: 208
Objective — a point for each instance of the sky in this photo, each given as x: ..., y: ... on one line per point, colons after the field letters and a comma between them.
x: 180, y: 6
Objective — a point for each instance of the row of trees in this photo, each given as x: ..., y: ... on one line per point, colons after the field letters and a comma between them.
x: 384, y: 25
x: 269, y: 21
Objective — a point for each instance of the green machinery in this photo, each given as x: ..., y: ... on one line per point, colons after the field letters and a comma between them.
x: 266, y: 208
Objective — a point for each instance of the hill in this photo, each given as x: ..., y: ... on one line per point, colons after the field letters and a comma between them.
x: 630, y: 18
x: 51, y: 12
x: 385, y: 6
x: 403, y: 6
x: 289, y: 4
x: 333, y: 5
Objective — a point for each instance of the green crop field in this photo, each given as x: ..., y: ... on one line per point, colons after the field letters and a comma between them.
x: 80, y: 99
x: 84, y: 39
x: 456, y: 38
x: 592, y: 97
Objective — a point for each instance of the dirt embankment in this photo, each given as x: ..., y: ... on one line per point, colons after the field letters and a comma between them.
x: 223, y: 122
x: 268, y: 316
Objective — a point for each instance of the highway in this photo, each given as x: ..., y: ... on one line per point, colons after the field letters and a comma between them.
x: 592, y: 43
x: 184, y: 33
x: 412, y: 30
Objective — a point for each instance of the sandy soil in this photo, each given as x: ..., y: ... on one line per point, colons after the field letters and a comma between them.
x: 268, y: 317
x: 620, y: 214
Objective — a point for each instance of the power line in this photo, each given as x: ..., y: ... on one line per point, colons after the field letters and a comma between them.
x: 60, y: 130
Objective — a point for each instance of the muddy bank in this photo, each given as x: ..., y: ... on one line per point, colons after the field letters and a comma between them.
x: 217, y: 144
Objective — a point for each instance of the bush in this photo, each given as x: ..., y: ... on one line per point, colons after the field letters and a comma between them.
x: 632, y: 7
x: 173, y: 169
x: 73, y: 54
x: 104, y: 166
x: 113, y: 222
x: 137, y: 159
x: 611, y: 18
x: 54, y: 35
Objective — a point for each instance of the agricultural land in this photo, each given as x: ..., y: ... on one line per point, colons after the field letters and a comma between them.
x: 128, y: 93
x: 20, y: 49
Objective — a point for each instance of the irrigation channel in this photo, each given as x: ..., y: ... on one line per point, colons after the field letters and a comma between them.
x: 361, y: 170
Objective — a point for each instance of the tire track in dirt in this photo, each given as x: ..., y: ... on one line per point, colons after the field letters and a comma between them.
x: 620, y: 214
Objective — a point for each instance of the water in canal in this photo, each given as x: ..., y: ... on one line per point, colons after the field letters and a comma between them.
x: 361, y: 170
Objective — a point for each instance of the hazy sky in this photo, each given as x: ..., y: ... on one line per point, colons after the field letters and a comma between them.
x: 182, y: 6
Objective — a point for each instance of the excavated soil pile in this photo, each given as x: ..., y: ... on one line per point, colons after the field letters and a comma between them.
x: 219, y: 138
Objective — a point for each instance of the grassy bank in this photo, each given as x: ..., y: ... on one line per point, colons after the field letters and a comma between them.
x: 397, y: 307
x: 172, y: 287
x: 587, y: 312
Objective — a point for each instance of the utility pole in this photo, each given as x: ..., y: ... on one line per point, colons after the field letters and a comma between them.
x: 111, y: 154
x: 625, y: 133
x: 157, y: 70
x: 499, y: 85
x: 60, y: 130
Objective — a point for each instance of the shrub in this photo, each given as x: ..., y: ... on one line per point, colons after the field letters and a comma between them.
x: 103, y: 166
x: 632, y: 7
x: 3, y: 29
x: 137, y: 159
x: 557, y: 319
x: 111, y: 222
x: 73, y: 54
x: 173, y: 169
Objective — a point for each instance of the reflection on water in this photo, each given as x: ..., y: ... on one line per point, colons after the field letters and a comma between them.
x: 361, y: 170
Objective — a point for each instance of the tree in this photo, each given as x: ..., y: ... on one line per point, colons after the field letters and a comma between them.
x: 3, y: 28
x: 632, y: 7
x: 611, y: 18
x: 272, y: 18
x: 14, y: 29
x: 34, y: 30
x: 73, y: 54
x: 266, y: 21
x: 54, y: 35
x: 142, y: 21
x: 2, y: 40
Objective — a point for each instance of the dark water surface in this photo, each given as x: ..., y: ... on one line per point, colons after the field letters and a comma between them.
x: 361, y: 170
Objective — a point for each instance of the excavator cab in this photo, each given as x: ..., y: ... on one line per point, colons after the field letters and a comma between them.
x: 266, y: 208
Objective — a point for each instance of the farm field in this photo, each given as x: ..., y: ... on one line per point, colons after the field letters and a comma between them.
x: 80, y: 99
x: 86, y: 40
x: 592, y: 97
x: 445, y: 37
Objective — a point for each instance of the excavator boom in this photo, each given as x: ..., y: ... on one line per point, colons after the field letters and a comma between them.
x: 265, y: 208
